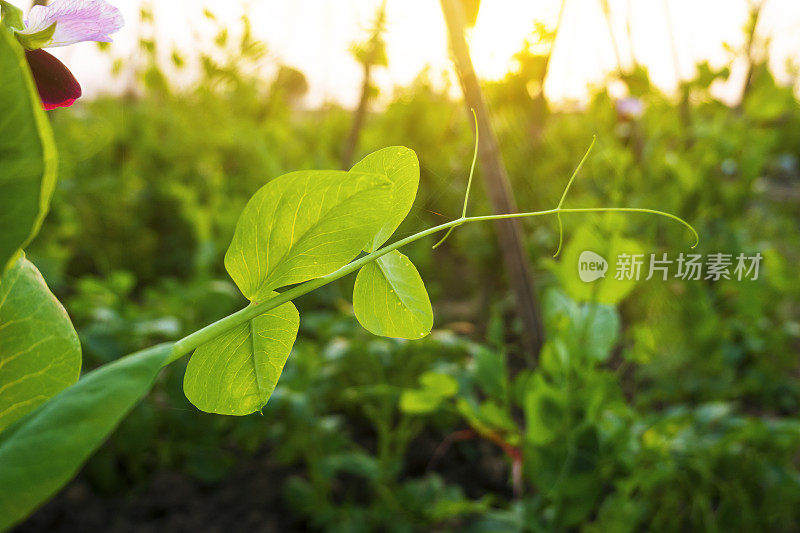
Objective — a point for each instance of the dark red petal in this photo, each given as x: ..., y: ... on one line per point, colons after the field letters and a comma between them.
x: 56, y: 84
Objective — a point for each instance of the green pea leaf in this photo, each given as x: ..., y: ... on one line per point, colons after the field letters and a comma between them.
x: 236, y: 373
x: 44, y: 450
x: 389, y: 298
x: 27, y: 152
x: 304, y: 225
x: 40, y: 354
x: 401, y: 166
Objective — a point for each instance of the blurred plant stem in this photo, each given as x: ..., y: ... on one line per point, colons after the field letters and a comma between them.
x: 751, y: 32
x: 371, y: 54
x: 613, y: 36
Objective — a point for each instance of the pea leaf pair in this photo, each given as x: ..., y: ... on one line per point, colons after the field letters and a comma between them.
x: 303, y: 226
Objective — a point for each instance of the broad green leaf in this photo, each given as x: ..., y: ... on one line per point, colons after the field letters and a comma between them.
x: 27, y: 152
x: 389, y: 298
x: 236, y: 373
x: 12, y: 16
x: 40, y: 354
x: 401, y: 166
x: 304, y: 225
x: 44, y: 450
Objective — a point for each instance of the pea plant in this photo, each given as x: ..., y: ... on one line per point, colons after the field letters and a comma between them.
x: 299, y: 232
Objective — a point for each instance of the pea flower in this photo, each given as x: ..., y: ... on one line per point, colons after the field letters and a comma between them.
x: 62, y: 23
x: 630, y: 108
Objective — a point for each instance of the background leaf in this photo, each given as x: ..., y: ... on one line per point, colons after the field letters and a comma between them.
x: 419, y: 401
x: 444, y: 384
x: 27, y: 150
x: 545, y: 411
x: 490, y: 372
x: 607, y: 290
x: 44, y: 450
x: 401, y: 166
x: 598, y: 330
x: 304, y: 225
x: 40, y: 353
x: 435, y: 388
x: 588, y: 330
x: 389, y: 298
x: 236, y: 373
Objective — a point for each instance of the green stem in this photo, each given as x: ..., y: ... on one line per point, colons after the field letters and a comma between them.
x: 472, y: 167
x: 564, y: 195
x: 469, y: 183
x: 189, y: 343
x: 212, y: 331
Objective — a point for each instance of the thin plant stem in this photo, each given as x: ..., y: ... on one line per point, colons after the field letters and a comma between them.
x: 564, y: 195
x: 469, y: 183
x: 210, y: 332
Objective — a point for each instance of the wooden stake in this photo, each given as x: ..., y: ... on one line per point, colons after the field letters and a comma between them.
x: 497, y: 188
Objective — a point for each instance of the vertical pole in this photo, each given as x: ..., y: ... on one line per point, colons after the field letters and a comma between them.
x: 497, y: 187
x: 752, y: 34
x: 360, y: 115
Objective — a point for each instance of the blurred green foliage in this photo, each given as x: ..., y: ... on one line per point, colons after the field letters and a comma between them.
x: 654, y: 406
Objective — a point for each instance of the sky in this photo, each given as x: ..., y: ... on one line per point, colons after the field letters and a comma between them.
x: 315, y: 35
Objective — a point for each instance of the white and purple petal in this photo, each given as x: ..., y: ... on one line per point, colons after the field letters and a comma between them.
x: 75, y: 21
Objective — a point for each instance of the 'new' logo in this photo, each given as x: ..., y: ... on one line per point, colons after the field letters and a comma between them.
x: 591, y: 266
